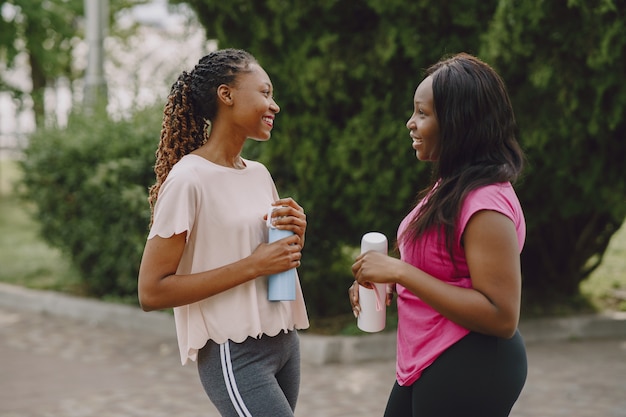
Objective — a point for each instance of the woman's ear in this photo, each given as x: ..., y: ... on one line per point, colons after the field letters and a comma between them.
x: 224, y: 94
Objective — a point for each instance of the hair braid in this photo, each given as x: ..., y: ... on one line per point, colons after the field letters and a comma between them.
x: 190, y: 107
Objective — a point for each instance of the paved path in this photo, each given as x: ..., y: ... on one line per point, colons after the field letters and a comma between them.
x: 52, y: 366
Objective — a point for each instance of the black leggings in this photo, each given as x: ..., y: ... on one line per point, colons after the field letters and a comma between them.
x: 478, y: 376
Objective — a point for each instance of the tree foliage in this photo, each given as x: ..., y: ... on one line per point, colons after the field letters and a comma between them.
x: 565, y: 64
x: 344, y: 74
x: 89, y: 184
x: 46, y: 33
x: 345, y: 71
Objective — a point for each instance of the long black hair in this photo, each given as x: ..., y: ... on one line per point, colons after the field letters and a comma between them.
x: 477, y: 145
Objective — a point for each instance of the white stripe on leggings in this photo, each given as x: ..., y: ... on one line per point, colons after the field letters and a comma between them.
x: 231, y: 384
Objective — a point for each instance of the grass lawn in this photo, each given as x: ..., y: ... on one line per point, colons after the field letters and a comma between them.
x: 26, y: 260
x: 606, y: 287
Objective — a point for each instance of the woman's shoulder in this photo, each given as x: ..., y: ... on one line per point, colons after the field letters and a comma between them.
x: 497, y: 196
x: 257, y: 169
x: 255, y: 165
x: 187, y: 163
x: 186, y: 169
x: 501, y: 189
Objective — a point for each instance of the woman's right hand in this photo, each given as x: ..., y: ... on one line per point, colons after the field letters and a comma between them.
x: 279, y: 256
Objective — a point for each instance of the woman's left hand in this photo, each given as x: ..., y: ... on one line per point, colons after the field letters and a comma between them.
x: 289, y: 215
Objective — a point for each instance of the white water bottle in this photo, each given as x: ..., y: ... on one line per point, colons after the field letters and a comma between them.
x: 373, y: 315
x: 280, y: 286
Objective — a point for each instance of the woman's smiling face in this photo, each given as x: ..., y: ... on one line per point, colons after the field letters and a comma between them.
x: 423, y: 124
x: 254, y: 104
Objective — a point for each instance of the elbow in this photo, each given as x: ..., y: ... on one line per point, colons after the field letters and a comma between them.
x: 507, y: 333
x: 146, y: 303
x: 502, y: 325
x: 147, y: 307
x: 507, y: 328
x: 504, y: 320
x: 150, y: 295
x: 501, y: 332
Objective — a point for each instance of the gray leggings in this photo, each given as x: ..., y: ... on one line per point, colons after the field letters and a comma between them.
x: 258, y: 377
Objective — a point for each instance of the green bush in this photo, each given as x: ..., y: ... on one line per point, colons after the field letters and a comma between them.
x: 89, y: 183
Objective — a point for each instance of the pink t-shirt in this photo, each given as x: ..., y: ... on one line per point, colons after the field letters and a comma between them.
x: 222, y: 210
x: 423, y: 333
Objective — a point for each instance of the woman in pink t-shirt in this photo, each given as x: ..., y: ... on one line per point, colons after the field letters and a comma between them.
x: 459, y: 278
x: 206, y: 255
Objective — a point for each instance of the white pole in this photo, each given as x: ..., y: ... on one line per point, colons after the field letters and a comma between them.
x: 96, y: 22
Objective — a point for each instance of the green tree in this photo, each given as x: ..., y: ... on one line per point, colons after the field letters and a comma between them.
x: 565, y: 63
x: 46, y: 32
x: 88, y: 183
x: 345, y: 71
x: 344, y: 74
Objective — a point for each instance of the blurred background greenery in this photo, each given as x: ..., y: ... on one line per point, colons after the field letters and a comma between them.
x: 344, y: 74
x: 28, y: 260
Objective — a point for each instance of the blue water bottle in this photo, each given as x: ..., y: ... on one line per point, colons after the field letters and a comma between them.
x: 280, y: 286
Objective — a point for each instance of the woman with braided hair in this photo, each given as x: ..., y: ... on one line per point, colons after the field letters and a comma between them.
x: 206, y: 255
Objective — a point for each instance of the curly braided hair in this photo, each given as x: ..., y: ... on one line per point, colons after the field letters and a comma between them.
x: 190, y: 107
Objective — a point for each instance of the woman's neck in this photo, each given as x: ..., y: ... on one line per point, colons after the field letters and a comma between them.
x: 222, y: 153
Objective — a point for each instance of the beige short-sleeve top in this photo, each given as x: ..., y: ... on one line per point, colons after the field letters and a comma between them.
x: 222, y: 210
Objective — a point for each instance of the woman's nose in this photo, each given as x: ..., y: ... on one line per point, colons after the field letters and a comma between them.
x: 274, y: 106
